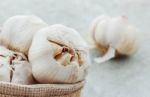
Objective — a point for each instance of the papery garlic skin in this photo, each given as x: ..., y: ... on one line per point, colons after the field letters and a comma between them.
x: 4, y: 65
x: 22, y: 73
x: 17, y: 32
x: 47, y: 69
x: 14, y: 67
x: 115, y: 33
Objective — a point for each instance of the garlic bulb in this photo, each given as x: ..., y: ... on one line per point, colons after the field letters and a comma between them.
x: 58, y: 54
x: 17, y: 32
x: 114, y: 36
x: 14, y: 67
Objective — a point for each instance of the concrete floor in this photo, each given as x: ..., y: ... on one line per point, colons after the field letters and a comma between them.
x: 128, y: 77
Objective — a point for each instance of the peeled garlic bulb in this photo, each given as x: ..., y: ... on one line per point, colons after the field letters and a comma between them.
x: 17, y: 32
x: 14, y: 67
x: 54, y: 55
x: 114, y: 36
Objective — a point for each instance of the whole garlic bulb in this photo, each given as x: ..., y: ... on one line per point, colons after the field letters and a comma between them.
x: 14, y: 67
x: 114, y: 36
x: 17, y: 32
x: 58, y: 54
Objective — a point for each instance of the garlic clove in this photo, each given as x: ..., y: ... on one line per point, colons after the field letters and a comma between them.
x: 57, y: 49
x: 65, y: 59
x: 17, y: 32
x: 101, y: 27
x: 129, y: 47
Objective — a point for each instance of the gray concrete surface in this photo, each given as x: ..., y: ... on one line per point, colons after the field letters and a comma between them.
x: 128, y: 77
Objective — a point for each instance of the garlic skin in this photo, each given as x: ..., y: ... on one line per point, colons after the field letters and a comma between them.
x: 114, y: 36
x: 4, y: 65
x: 22, y: 73
x: 14, y: 67
x: 58, y: 54
x: 17, y: 32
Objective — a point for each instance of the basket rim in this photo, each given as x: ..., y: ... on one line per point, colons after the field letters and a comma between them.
x: 39, y: 90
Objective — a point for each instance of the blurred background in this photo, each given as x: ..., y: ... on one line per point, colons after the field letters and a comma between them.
x: 128, y: 77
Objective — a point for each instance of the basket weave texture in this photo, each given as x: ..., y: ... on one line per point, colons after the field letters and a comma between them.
x: 40, y: 90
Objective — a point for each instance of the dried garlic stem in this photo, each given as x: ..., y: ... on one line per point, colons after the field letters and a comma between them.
x: 109, y: 55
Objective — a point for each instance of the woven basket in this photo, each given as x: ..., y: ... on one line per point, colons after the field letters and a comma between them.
x: 40, y: 90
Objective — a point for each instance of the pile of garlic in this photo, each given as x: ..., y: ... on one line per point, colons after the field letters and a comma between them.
x: 30, y: 49
x: 114, y: 36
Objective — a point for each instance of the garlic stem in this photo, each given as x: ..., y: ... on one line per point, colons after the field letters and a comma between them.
x: 109, y: 55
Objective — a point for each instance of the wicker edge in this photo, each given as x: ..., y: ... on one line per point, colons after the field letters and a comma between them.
x: 40, y: 90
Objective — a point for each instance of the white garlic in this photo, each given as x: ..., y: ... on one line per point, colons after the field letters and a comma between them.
x: 14, y: 67
x: 17, y: 32
x: 22, y: 73
x: 58, y: 54
x: 4, y: 65
x: 114, y: 36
